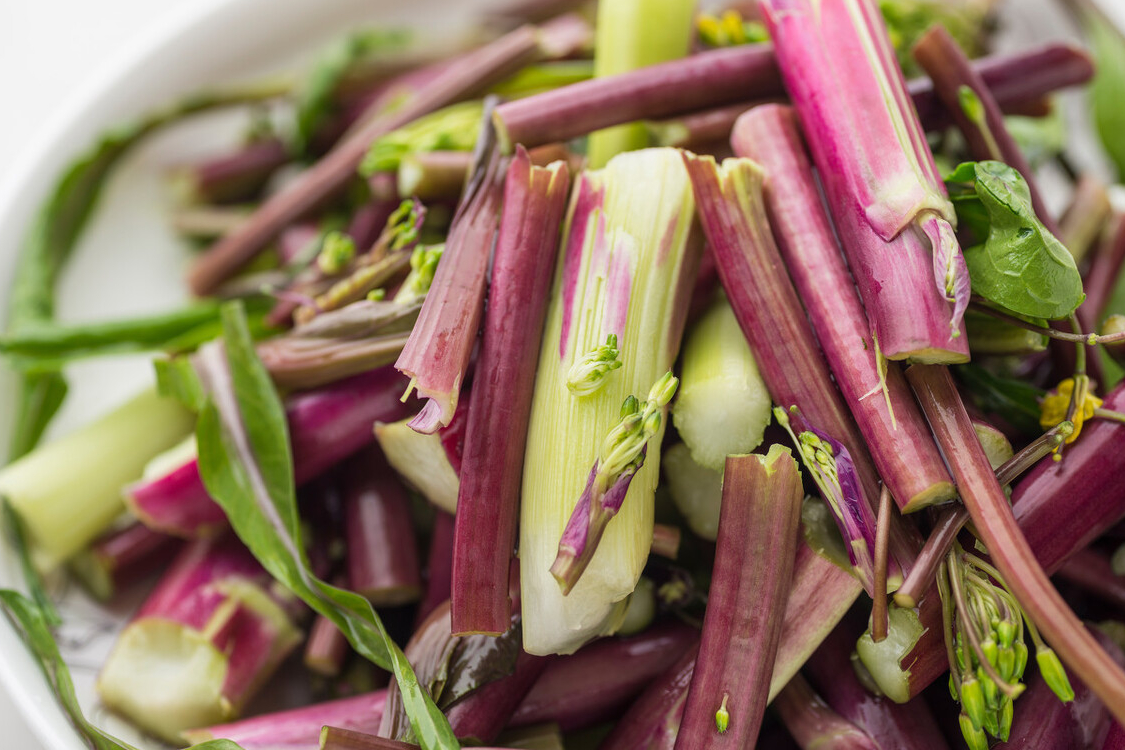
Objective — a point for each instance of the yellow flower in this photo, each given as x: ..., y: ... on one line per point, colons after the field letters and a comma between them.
x: 1054, y: 406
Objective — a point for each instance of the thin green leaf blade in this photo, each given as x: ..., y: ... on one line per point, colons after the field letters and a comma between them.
x: 246, y: 465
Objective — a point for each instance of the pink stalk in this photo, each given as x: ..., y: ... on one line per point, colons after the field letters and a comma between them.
x: 1115, y: 738
x: 436, y: 355
x: 326, y: 648
x: 666, y: 540
x: 881, y: 402
x: 1085, y: 218
x: 122, y: 557
x: 202, y: 644
x: 1092, y: 572
x: 503, y: 386
x: 760, y: 511
x: 237, y: 176
x: 813, y: 724
x: 889, y: 203
x: 326, y: 426
x: 597, y: 683
x: 653, y: 721
x: 483, y: 713
x: 381, y: 553
x: 472, y: 72
x: 334, y: 738
x: 733, y: 213
x: 440, y: 175
x: 298, y: 729
x: 1009, y: 549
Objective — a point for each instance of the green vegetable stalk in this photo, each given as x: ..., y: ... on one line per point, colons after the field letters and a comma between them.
x: 631, y: 34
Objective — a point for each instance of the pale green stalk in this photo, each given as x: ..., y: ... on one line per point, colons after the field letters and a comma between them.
x: 625, y: 269
x: 632, y: 34
x: 723, y: 406
x: 69, y: 491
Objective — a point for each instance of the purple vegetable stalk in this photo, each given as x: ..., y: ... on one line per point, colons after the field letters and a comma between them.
x: 439, y: 565
x: 472, y: 72
x: 233, y: 177
x: 875, y: 391
x: 813, y: 724
x: 382, y: 557
x: 622, y: 455
x: 326, y: 426
x: 733, y: 213
x: 598, y: 682
x: 503, y: 386
x: 653, y: 721
x: 1092, y: 571
x: 891, y: 210
x: 299, y: 728
x: 326, y: 647
x: 736, y: 77
x: 761, y: 511
x: 207, y: 638
x: 436, y: 356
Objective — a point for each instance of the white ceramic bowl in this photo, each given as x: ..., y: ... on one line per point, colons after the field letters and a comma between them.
x: 128, y: 263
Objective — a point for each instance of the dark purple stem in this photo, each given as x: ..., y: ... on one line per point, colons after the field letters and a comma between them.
x: 813, y: 724
x: 381, y: 552
x: 500, y: 401
x: 653, y: 721
x: 299, y: 727
x: 760, y: 511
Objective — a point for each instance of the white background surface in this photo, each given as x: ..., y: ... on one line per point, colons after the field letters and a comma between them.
x: 48, y: 50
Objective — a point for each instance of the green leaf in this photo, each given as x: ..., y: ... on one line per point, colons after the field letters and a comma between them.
x: 454, y: 128
x: 30, y: 575
x: 247, y: 466
x: 1020, y: 265
x: 176, y: 378
x: 315, y: 95
x: 54, y: 235
x: 1108, y: 88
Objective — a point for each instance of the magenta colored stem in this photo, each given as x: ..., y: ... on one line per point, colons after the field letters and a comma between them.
x: 597, y: 683
x: 326, y: 426
x: 124, y: 556
x: 813, y: 723
x: 503, y: 386
x: 895, y: 432
x: 653, y: 721
x: 381, y: 552
x: 482, y: 714
x: 436, y: 356
x: 761, y: 511
x: 326, y: 647
x: 771, y: 316
x: 298, y: 728
x: 1115, y: 738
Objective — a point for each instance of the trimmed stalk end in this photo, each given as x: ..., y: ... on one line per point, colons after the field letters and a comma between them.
x: 883, y: 660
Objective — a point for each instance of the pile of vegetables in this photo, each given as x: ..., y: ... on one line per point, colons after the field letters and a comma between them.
x: 643, y: 377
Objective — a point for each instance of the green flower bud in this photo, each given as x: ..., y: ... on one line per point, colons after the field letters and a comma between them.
x: 1019, y: 648
x: 1006, y: 709
x: 722, y: 716
x: 972, y: 700
x: 336, y: 252
x: 974, y: 737
x: 989, y: 689
x: 589, y: 373
x: 990, y: 650
x: 1006, y: 664
x: 1054, y: 674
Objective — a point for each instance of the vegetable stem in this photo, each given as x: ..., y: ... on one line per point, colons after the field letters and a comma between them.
x: 500, y: 401
x: 729, y: 688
